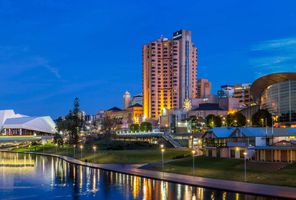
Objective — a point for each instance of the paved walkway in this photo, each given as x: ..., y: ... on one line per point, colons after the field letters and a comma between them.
x: 235, y: 186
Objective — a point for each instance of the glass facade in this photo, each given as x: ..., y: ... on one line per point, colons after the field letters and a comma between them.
x: 280, y: 100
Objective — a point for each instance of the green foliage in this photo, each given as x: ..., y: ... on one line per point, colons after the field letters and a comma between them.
x: 146, y: 126
x: 213, y: 121
x: 72, y: 123
x: 261, y: 118
x: 58, y: 139
x: 109, y: 124
x: 236, y: 119
x: 134, y: 127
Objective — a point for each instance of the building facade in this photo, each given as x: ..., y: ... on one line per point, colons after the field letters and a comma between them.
x: 261, y: 144
x: 204, y: 88
x: 12, y: 124
x: 277, y: 93
x: 242, y: 92
x: 169, y: 73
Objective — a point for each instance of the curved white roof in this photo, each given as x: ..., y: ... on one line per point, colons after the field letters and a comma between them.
x: 8, y: 119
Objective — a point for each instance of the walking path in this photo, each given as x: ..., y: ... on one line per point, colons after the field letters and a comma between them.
x: 234, y: 186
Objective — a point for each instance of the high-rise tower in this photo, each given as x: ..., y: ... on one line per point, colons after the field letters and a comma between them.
x: 169, y: 73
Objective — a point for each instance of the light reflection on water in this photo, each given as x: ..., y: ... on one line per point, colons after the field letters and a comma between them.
x: 39, y: 177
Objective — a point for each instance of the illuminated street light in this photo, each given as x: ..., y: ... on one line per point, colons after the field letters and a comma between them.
x: 94, y: 149
x: 245, y: 154
x: 56, y: 145
x: 81, y: 148
x: 162, y: 159
x: 193, y: 163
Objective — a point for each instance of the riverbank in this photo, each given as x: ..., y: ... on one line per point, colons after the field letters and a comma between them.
x: 282, y: 174
x: 103, y: 156
x: 179, y: 161
x: 234, y: 186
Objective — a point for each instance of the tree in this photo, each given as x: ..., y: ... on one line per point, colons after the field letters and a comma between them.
x: 72, y: 123
x: 262, y: 118
x: 146, y: 126
x: 58, y: 139
x: 236, y: 119
x: 134, y: 127
x: 213, y: 121
x: 240, y: 119
x: 109, y: 124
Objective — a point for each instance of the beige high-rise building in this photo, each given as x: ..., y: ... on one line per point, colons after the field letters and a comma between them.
x: 204, y: 88
x: 169, y: 73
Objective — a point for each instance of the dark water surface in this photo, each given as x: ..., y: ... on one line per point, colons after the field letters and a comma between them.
x: 40, y: 177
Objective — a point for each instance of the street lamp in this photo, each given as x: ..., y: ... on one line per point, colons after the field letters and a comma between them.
x: 193, y: 163
x: 56, y: 148
x: 94, y: 149
x: 161, y: 146
x: 81, y: 147
x: 245, y: 154
x: 162, y: 160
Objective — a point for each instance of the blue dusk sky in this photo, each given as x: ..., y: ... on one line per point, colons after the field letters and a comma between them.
x: 54, y: 50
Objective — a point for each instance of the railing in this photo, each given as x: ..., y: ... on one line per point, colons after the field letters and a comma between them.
x: 237, y: 144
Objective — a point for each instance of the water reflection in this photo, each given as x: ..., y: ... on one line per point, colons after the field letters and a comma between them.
x: 51, y: 178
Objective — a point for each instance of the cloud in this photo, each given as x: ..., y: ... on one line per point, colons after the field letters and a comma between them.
x: 20, y: 59
x: 274, y: 56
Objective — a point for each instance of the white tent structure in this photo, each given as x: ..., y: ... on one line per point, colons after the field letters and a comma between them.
x: 17, y: 124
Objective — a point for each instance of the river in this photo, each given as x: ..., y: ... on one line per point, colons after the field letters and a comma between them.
x: 25, y: 176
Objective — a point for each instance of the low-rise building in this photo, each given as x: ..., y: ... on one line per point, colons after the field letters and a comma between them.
x: 12, y: 124
x: 206, y: 109
x: 262, y: 144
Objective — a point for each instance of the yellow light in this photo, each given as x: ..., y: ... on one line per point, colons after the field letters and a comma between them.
x: 237, y: 148
x: 232, y: 111
x: 193, y: 152
x: 94, y: 148
x: 162, y: 150
x: 81, y: 146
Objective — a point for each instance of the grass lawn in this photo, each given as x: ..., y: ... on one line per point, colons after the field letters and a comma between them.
x: 110, y: 156
x: 233, y: 169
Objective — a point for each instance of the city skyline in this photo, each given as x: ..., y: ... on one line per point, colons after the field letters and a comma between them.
x: 69, y: 52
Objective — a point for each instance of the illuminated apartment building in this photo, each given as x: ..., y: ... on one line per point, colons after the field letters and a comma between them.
x: 169, y: 73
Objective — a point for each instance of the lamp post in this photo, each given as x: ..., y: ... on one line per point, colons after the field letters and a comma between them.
x: 193, y: 163
x: 56, y: 148
x: 94, y: 149
x: 81, y: 147
x: 245, y: 154
x: 262, y: 122
x: 74, y: 148
x: 162, y: 160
